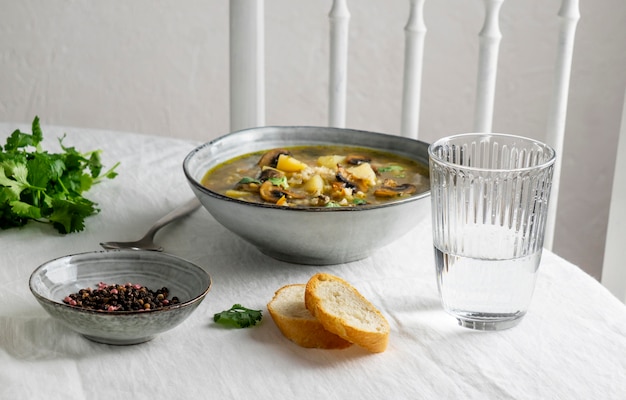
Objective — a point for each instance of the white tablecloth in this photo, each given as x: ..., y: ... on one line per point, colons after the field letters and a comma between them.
x: 571, y: 344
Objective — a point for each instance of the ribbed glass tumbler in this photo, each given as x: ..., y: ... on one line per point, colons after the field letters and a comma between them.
x: 489, y: 196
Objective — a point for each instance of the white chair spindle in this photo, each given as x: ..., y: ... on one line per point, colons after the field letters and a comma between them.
x: 339, y: 17
x: 415, y: 33
x: 569, y: 14
x: 613, y: 271
x: 490, y: 37
x: 247, y: 64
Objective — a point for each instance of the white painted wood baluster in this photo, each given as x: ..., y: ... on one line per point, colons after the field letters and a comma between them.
x: 490, y: 37
x: 339, y: 17
x: 415, y: 33
x: 247, y: 64
x: 569, y: 14
x: 613, y: 271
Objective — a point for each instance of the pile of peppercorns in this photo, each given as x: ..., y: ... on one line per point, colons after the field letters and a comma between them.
x: 127, y: 297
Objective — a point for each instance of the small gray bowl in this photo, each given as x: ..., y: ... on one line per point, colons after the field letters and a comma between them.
x: 51, y: 282
x: 318, y: 236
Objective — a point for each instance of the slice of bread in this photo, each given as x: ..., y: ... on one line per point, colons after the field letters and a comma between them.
x: 296, y: 322
x: 344, y: 311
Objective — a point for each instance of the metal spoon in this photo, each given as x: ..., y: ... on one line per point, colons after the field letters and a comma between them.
x: 147, y: 242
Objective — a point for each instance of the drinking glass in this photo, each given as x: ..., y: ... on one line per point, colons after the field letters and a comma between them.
x: 489, y: 195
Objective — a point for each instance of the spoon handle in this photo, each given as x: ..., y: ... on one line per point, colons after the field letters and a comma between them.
x: 176, y: 213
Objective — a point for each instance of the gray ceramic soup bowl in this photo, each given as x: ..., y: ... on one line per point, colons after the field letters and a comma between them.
x: 317, y: 236
x: 51, y: 282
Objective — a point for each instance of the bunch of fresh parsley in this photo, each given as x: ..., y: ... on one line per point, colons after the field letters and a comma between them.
x: 47, y: 187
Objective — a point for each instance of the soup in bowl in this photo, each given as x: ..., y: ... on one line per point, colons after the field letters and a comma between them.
x: 313, y: 195
x: 319, y: 176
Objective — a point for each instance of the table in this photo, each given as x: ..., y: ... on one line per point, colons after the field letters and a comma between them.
x: 571, y: 344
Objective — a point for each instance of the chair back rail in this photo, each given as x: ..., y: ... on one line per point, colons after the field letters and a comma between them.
x: 415, y: 35
x: 247, y: 102
x: 247, y: 64
x: 338, y: 80
x: 613, y: 271
x: 489, y: 38
x: 569, y: 15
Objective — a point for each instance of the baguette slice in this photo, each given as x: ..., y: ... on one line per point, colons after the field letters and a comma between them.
x: 296, y: 322
x: 344, y: 311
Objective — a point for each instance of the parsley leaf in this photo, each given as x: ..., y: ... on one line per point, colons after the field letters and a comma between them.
x: 46, y: 187
x: 281, y: 181
x: 391, y: 168
x: 238, y: 316
x: 397, y: 170
x: 12, y: 188
x: 247, y: 179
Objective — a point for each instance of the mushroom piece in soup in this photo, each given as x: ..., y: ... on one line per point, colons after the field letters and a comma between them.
x: 319, y: 176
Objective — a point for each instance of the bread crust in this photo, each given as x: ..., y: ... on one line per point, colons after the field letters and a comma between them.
x: 297, y: 324
x: 340, y: 319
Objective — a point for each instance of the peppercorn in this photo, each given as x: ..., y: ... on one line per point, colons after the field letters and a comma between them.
x: 127, y: 297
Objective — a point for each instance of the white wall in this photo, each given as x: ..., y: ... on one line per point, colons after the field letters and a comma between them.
x: 161, y: 67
